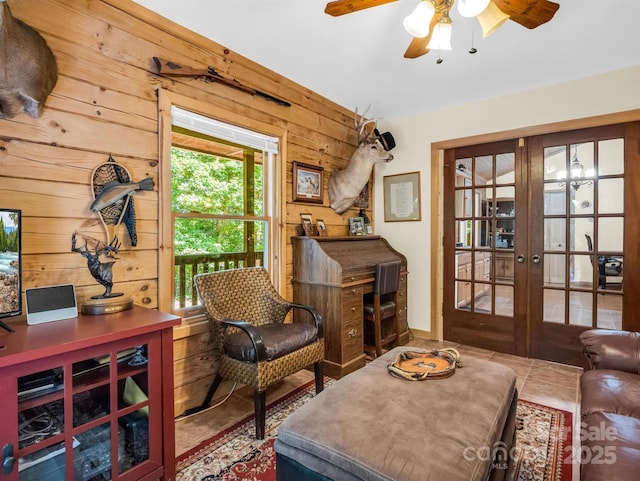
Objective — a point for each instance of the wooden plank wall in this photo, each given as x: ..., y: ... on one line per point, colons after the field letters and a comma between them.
x: 105, y: 102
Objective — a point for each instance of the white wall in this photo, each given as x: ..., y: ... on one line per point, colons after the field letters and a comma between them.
x: 613, y: 92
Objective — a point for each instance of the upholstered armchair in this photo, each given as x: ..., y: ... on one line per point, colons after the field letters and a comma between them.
x: 252, y: 343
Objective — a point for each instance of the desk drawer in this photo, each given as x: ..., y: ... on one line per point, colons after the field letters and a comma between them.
x: 352, y: 310
x: 352, y: 339
x: 358, y: 278
x: 351, y: 293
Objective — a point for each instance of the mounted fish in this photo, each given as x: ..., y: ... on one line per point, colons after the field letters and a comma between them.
x: 112, y: 193
x: 28, y: 69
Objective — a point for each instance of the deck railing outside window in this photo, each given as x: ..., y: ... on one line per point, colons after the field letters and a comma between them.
x: 187, y: 266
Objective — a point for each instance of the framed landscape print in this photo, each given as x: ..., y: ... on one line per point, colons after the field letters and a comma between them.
x: 307, y: 183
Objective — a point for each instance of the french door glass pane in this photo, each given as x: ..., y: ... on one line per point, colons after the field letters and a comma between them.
x: 611, y: 196
x: 554, y: 234
x: 610, y: 234
x: 609, y: 312
x: 554, y: 270
x: 581, y: 311
x: 581, y: 271
x: 611, y: 157
x: 553, y: 305
x: 504, y: 300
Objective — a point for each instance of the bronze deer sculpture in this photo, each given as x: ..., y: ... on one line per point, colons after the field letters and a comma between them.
x: 345, y: 185
x: 28, y: 69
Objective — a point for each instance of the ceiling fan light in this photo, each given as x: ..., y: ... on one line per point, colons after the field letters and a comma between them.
x: 471, y: 8
x: 417, y: 24
x: 441, y: 37
x: 491, y: 18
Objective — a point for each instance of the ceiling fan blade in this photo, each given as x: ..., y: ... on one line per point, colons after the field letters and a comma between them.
x: 418, y: 45
x: 342, y: 7
x: 528, y: 13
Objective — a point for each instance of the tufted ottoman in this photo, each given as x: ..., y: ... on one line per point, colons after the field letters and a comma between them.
x: 370, y: 426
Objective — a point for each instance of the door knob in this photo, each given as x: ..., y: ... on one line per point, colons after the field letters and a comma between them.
x: 535, y: 259
x: 521, y: 259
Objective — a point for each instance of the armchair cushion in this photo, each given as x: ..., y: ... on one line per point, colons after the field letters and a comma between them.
x: 278, y: 339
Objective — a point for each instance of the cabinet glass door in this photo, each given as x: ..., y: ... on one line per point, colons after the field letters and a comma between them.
x: 109, y: 402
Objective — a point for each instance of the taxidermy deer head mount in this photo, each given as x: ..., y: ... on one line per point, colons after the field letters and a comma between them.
x: 345, y: 185
x: 28, y: 70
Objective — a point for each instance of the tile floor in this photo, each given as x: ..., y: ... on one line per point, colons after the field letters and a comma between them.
x: 547, y: 383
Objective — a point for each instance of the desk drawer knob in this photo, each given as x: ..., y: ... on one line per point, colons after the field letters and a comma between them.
x: 353, y: 278
x: 353, y: 309
x: 353, y: 332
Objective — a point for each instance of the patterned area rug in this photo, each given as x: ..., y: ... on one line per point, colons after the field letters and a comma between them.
x: 543, y: 441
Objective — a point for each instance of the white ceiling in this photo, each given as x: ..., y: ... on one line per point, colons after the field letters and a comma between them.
x: 357, y: 60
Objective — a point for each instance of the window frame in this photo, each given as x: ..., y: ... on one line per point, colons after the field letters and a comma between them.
x: 272, y: 191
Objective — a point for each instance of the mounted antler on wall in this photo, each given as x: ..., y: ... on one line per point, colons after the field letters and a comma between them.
x: 28, y: 69
x: 345, y: 185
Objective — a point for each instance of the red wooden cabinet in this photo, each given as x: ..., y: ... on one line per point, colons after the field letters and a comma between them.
x: 102, y: 384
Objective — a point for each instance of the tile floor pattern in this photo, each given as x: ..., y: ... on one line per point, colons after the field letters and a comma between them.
x: 547, y: 383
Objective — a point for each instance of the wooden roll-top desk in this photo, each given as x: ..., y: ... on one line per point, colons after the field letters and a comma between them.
x: 333, y: 274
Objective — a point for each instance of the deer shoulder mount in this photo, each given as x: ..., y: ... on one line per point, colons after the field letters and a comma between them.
x: 28, y: 69
x: 345, y: 185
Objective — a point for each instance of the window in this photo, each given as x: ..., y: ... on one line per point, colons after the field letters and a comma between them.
x: 221, y: 213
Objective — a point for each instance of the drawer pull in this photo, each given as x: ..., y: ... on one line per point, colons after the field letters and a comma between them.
x: 353, y: 309
x: 353, y: 291
x: 353, y: 332
x: 353, y: 278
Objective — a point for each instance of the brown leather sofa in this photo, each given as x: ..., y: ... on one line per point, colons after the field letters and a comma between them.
x: 610, y: 406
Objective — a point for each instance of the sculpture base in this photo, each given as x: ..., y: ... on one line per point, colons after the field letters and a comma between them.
x: 107, y: 306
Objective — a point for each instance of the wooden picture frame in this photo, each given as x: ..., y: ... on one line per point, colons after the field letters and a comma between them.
x: 308, y: 226
x: 307, y: 183
x: 356, y: 226
x: 322, y: 228
x: 402, y: 197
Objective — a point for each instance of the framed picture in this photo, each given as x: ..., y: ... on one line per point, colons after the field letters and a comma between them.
x: 322, y: 229
x: 307, y: 225
x: 307, y: 183
x: 401, y: 197
x: 356, y: 226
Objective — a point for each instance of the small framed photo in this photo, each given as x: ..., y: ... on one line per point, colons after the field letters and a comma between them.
x: 307, y: 225
x: 322, y: 229
x: 356, y: 226
x: 307, y: 183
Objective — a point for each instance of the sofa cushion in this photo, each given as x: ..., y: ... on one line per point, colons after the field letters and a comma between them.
x: 606, y: 390
x: 610, y: 447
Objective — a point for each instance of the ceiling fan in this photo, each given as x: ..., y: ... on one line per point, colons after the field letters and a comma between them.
x: 435, y: 14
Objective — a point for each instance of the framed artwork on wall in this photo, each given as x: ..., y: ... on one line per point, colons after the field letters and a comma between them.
x: 307, y: 183
x: 402, y: 197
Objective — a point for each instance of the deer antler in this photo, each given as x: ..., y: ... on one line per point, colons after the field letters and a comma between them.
x: 361, y: 125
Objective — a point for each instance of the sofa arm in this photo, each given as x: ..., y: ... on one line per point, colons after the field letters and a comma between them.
x: 610, y: 349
